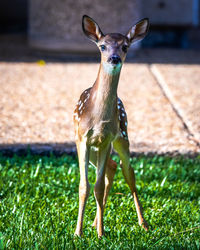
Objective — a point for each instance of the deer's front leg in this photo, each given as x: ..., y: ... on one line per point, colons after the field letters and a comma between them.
x: 102, y: 158
x: 84, y: 187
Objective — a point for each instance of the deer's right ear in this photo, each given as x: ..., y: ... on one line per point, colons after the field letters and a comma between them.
x: 91, y: 29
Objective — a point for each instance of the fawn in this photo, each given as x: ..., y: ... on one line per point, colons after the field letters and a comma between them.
x: 101, y: 123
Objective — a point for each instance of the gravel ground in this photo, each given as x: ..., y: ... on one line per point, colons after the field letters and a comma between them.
x: 37, y: 99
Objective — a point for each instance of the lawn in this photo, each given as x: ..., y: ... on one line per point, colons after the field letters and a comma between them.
x: 39, y: 205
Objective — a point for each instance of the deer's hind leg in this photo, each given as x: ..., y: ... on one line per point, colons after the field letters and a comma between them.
x: 121, y: 146
x: 111, y: 168
x: 106, y: 169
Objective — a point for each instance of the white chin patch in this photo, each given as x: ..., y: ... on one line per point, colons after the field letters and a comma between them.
x: 112, y: 69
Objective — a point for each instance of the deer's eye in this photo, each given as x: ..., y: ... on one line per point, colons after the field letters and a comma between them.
x: 103, y: 47
x: 124, y: 48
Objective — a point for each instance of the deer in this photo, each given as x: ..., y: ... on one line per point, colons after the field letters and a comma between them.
x: 100, y: 123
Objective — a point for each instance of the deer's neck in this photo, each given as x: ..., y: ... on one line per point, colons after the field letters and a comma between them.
x: 105, y: 91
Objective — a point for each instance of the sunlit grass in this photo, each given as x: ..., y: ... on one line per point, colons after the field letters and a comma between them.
x: 39, y: 205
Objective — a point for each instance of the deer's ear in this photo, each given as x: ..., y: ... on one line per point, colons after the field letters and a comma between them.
x: 138, y: 31
x: 91, y: 29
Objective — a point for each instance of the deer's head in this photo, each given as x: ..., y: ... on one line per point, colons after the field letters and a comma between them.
x: 114, y: 46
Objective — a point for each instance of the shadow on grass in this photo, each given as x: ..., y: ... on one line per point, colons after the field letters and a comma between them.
x: 58, y: 149
x: 43, y: 149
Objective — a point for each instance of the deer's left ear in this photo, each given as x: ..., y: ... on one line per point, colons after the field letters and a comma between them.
x: 138, y: 31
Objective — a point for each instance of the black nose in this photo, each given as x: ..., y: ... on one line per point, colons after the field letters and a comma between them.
x: 114, y: 59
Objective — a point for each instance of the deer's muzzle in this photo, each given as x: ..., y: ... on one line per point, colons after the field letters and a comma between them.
x: 114, y: 59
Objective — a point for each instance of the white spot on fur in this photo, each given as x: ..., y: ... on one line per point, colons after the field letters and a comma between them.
x: 124, y: 133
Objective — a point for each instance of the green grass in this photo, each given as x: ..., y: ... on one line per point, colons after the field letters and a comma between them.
x: 39, y: 205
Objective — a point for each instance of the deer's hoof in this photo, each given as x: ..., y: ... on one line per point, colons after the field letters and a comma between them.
x: 144, y: 224
x: 77, y: 233
x: 100, y: 236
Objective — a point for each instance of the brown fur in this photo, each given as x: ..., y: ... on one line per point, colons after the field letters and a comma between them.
x: 101, y: 123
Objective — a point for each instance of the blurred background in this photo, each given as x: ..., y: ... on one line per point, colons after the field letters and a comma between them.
x: 45, y: 64
x: 55, y: 25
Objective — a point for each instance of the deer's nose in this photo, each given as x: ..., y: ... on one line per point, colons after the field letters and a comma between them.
x: 114, y: 59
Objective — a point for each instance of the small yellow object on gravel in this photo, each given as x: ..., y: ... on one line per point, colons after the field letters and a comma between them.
x: 41, y: 62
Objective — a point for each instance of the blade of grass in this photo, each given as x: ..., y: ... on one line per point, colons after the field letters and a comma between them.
x: 172, y: 235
